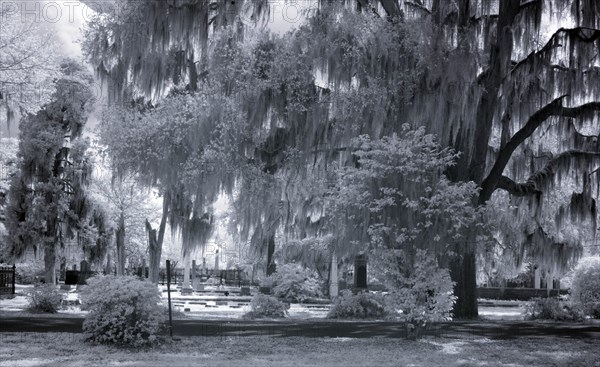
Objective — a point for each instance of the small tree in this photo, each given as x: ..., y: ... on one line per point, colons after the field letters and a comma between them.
x: 393, y: 199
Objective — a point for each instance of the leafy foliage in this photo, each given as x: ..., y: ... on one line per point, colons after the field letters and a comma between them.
x: 585, y: 285
x: 44, y: 298
x: 123, y: 310
x: 398, y: 196
x: 294, y: 283
x: 267, y: 306
x: 363, y: 305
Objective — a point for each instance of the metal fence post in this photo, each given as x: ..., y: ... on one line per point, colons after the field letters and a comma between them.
x: 14, y: 275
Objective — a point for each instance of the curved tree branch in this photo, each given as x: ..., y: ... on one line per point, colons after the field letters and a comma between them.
x: 554, y: 108
x: 534, y: 184
x: 391, y: 8
x: 578, y: 32
x: 417, y: 6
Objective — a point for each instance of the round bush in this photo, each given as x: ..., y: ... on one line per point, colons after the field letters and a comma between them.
x: 44, y: 298
x: 267, y: 306
x: 359, y: 306
x: 551, y: 309
x: 585, y: 286
x: 123, y: 310
x: 294, y: 283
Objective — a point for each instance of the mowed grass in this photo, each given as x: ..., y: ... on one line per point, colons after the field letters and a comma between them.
x: 65, y: 349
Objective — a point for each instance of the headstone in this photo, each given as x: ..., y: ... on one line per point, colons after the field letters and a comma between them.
x: 63, y: 269
x: 333, y: 282
x: 196, y: 285
x: 217, y: 262
x: 83, y: 272
x: 71, y: 277
x: 360, y: 273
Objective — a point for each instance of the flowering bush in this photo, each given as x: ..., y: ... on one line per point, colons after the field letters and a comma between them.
x: 267, y: 306
x: 585, y: 286
x: 552, y: 309
x: 123, y: 310
x: 44, y: 298
x: 294, y: 283
x: 359, y: 306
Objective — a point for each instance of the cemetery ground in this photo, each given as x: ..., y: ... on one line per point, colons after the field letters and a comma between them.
x: 69, y: 349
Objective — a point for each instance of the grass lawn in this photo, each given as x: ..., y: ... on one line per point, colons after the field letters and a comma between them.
x: 63, y: 349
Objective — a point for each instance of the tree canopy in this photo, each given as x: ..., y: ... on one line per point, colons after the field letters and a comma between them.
x: 511, y: 87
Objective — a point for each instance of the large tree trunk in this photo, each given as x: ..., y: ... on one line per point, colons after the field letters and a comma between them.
x: 108, y: 267
x: 154, y: 252
x: 50, y: 264
x: 120, y: 239
x: 270, y: 251
x: 463, y: 272
x: 155, y: 242
x: 463, y: 267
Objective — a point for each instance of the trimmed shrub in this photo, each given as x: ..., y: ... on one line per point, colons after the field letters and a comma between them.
x: 363, y: 305
x: 552, y: 309
x: 123, y: 310
x: 44, y: 298
x: 294, y: 283
x: 267, y: 306
x: 585, y: 286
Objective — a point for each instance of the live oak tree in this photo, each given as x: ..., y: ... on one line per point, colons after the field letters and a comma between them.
x: 48, y: 203
x: 520, y: 106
